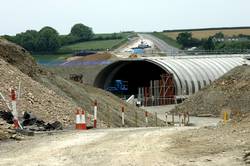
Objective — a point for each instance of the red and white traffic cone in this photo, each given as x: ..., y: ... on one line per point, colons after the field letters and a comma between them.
x: 78, y: 118
x: 14, y: 109
x: 83, y: 121
x: 95, y: 114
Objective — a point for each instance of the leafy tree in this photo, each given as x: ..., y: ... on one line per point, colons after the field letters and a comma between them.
x: 208, y: 44
x: 84, y: 33
x: 68, y: 39
x: 186, y: 40
x: 29, y: 40
x: 26, y: 39
x: 219, y: 35
x: 48, y: 40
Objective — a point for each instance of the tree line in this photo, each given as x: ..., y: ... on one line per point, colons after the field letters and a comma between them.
x: 215, y: 42
x: 49, y: 40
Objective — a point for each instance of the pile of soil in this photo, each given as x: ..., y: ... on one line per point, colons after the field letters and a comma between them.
x: 230, y: 93
x: 19, y: 57
x: 35, y: 98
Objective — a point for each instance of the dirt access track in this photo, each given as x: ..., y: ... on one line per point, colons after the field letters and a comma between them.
x: 112, y: 147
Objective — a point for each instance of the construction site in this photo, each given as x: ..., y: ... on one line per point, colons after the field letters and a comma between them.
x: 150, y: 110
x: 125, y: 83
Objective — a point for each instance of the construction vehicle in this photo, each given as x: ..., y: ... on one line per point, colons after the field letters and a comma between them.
x: 143, y: 45
x: 119, y: 87
x: 76, y: 77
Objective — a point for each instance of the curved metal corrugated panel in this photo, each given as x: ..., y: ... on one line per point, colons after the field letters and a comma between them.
x: 200, y: 73
x: 177, y: 76
x: 184, y: 75
x: 192, y: 74
x: 193, y: 84
x: 200, y: 68
x: 206, y: 68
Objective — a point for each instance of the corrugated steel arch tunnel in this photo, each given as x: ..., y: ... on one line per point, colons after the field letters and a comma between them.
x: 189, y: 74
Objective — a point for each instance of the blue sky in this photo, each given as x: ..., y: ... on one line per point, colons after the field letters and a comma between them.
x: 121, y: 15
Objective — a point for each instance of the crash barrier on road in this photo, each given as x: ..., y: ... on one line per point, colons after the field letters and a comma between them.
x: 80, y: 119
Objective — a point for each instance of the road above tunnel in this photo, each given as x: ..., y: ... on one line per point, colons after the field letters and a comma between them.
x: 160, y: 44
x: 157, y: 46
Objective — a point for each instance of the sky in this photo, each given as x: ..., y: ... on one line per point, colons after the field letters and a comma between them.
x: 108, y: 16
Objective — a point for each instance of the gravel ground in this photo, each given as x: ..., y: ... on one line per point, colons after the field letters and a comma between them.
x: 134, y: 146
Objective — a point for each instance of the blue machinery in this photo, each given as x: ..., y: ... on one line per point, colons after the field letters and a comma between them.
x: 119, y: 86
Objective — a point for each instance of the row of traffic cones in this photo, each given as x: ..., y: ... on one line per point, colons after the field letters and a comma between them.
x: 80, y: 119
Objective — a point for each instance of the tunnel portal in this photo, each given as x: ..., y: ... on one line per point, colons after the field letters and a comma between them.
x: 160, y: 78
x: 136, y: 74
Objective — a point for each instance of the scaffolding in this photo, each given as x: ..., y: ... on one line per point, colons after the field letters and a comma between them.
x: 159, y: 92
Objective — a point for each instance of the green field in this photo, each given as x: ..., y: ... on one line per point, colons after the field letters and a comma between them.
x: 51, y: 57
x: 101, y: 45
x: 67, y: 51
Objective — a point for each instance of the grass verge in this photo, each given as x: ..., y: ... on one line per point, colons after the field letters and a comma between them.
x: 166, y: 39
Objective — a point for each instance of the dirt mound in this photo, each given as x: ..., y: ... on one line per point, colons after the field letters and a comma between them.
x: 109, y: 106
x: 95, y: 57
x: 230, y: 93
x: 18, y: 57
x: 36, y: 98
